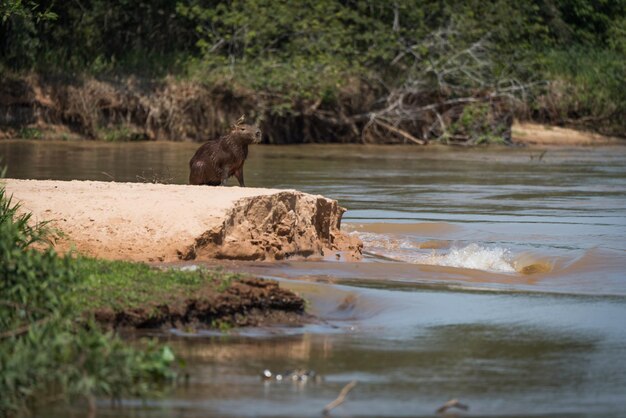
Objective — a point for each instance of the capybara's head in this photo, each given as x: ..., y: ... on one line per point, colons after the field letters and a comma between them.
x: 247, y: 134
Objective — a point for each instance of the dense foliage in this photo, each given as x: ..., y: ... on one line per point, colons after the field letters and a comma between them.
x: 568, y: 55
x: 99, y: 35
x: 48, y: 352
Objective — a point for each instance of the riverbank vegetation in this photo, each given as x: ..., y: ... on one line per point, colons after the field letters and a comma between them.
x: 341, y: 71
x: 49, y: 352
x: 125, y: 294
x: 54, y: 311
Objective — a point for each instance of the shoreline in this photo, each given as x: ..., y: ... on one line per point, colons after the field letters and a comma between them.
x: 106, y: 232
x: 159, y: 223
x: 522, y: 134
x: 126, y: 295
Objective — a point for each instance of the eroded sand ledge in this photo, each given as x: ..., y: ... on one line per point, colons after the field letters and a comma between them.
x: 158, y: 222
x: 528, y: 133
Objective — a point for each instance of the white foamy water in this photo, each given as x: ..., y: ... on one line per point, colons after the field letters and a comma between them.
x: 471, y: 256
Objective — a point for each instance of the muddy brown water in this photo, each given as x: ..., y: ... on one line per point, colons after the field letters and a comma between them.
x: 495, y: 276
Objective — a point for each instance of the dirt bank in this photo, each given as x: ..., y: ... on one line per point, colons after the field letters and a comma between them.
x: 129, y: 108
x: 156, y: 222
x: 45, y: 107
x: 536, y: 134
x: 244, y: 302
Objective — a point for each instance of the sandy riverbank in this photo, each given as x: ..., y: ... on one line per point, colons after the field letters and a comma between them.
x: 157, y: 222
x: 536, y: 134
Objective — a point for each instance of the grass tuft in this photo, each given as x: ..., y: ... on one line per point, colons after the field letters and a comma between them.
x: 124, y: 285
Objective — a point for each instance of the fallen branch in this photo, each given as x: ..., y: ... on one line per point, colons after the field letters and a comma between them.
x: 342, y: 396
x: 452, y: 403
x: 400, y: 132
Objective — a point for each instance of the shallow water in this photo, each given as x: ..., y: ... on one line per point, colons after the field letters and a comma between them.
x: 495, y: 276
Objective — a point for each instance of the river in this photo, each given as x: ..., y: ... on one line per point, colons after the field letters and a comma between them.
x: 496, y: 276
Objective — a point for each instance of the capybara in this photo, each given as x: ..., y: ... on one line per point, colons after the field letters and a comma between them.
x: 217, y: 160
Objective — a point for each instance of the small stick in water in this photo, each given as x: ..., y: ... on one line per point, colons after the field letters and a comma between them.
x: 452, y: 403
x: 342, y: 396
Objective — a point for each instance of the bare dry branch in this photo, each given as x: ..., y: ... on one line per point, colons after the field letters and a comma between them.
x: 400, y: 132
x: 342, y: 396
x: 452, y: 403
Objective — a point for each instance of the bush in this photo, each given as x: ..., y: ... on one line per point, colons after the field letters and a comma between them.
x: 587, y: 89
x: 47, y: 352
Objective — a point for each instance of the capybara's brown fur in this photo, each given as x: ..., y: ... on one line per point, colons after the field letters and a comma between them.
x: 217, y: 160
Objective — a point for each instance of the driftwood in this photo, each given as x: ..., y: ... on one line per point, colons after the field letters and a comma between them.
x: 400, y: 132
x: 342, y: 396
x: 452, y: 403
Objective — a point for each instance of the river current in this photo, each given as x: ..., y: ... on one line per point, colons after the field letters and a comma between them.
x: 496, y: 276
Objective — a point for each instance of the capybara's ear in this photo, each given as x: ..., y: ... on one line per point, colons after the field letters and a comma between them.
x: 239, y: 122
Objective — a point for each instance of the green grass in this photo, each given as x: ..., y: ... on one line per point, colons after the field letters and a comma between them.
x: 123, y: 285
x: 120, y: 133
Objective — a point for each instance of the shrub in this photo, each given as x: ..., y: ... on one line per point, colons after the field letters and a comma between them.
x: 587, y: 89
x: 47, y: 352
